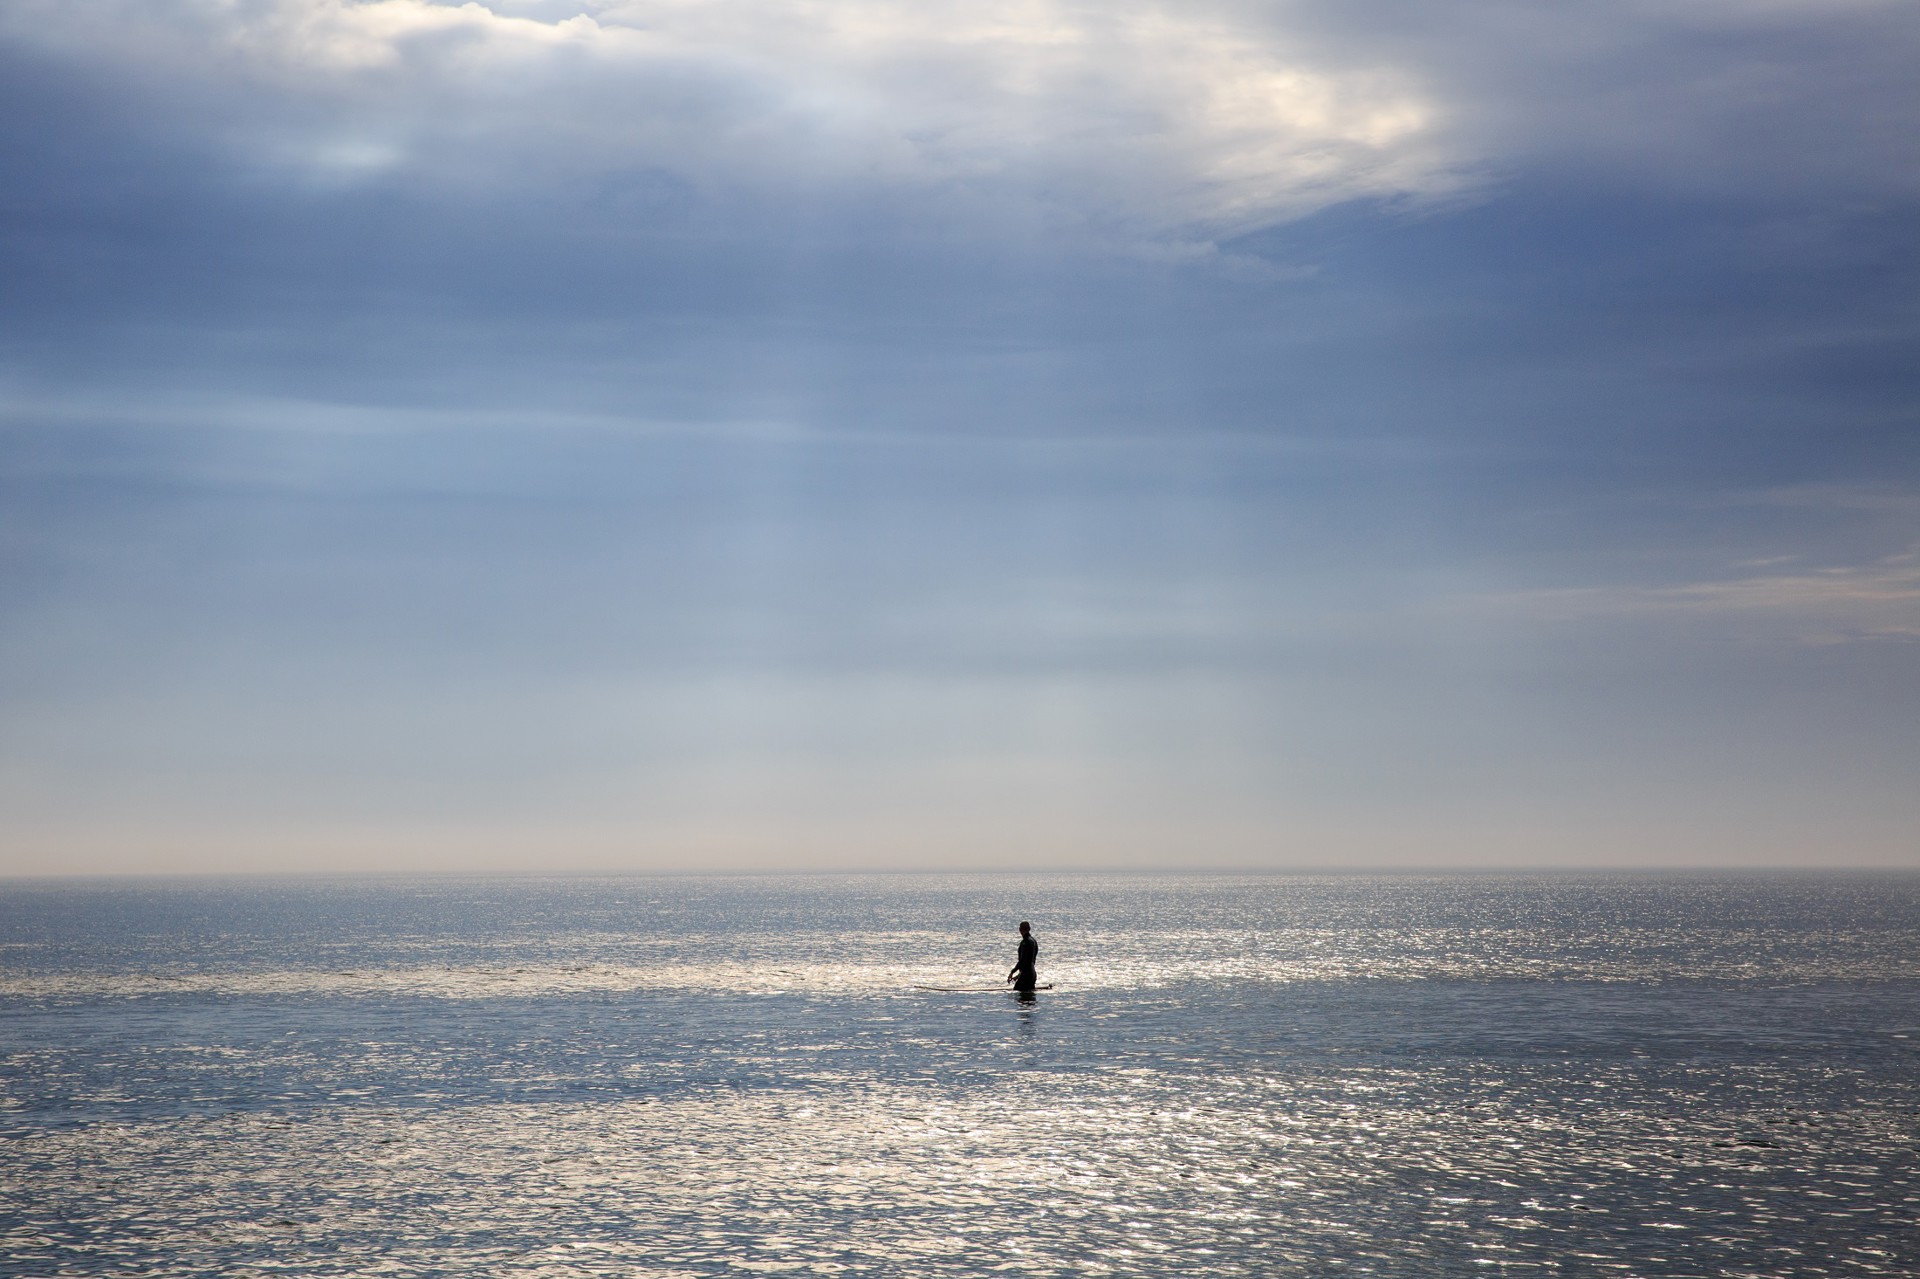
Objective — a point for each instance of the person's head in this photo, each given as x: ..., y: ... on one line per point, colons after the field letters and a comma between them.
x: 1025, y: 928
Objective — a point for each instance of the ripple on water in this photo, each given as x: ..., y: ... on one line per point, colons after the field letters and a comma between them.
x: 1150, y: 1172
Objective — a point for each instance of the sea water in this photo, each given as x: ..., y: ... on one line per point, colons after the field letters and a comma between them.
x: 1655, y: 1076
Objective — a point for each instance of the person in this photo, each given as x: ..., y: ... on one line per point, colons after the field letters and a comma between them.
x: 1023, y: 975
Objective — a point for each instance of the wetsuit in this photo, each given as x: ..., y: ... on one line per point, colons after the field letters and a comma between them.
x: 1024, y: 975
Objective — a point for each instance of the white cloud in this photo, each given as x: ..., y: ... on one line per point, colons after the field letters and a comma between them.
x: 1126, y: 120
x: 1129, y: 116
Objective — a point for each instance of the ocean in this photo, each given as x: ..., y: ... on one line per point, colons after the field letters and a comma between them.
x: 1263, y: 1075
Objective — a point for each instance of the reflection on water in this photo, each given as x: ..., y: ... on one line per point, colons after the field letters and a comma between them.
x: 1232, y: 1077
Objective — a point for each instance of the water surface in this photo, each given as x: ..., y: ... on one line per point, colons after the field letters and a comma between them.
x: 650, y: 1077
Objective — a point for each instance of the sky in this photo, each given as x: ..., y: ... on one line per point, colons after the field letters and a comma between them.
x: 908, y: 434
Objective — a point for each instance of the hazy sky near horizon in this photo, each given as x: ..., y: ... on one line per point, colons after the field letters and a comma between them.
x: 700, y: 434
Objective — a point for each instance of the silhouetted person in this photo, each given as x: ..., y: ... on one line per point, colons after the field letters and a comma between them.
x: 1023, y: 976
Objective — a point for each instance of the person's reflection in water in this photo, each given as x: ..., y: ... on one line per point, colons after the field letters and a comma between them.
x: 1024, y: 975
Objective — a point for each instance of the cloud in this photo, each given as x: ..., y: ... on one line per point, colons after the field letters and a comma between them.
x: 1128, y: 118
x: 1118, y: 125
x: 1877, y: 602
x: 1711, y: 98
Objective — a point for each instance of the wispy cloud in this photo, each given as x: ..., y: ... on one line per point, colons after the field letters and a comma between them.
x: 1874, y: 602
